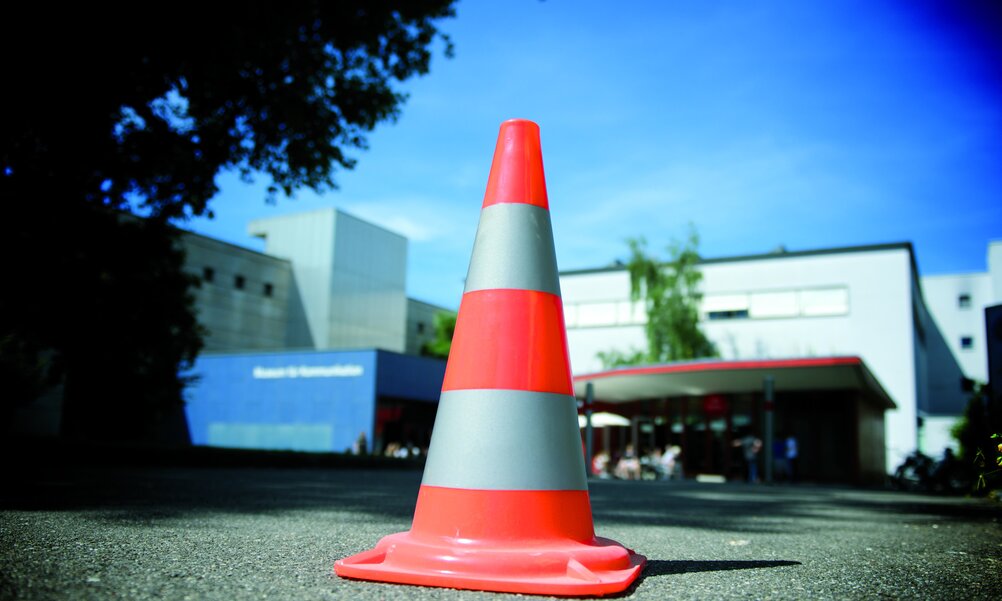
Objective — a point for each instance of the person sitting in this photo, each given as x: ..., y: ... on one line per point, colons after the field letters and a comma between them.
x: 670, y: 461
x: 628, y: 467
x: 654, y: 462
x: 391, y: 449
x: 600, y: 464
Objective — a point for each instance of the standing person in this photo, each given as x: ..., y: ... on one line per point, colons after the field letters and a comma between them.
x: 780, y: 463
x: 361, y: 446
x: 668, y: 459
x: 678, y: 471
x: 792, y: 454
x: 750, y: 446
x: 655, y: 464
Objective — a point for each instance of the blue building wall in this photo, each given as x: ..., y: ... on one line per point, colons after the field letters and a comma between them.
x: 409, y: 377
x: 305, y: 401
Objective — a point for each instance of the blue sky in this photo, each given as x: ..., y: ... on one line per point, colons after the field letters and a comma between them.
x: 810, y: 125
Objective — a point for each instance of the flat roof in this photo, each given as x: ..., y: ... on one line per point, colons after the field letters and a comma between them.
x: 715, y: 376
x: 777, y: 254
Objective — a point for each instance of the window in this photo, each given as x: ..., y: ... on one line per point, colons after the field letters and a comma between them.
x: 596, y: 314
x: 208, y: 274
x: 725, y: 304
x: 604, y: 314
x: 630, y: 313
x: 966, y: 342
x: 420, y: 327
x: 269, y: 289
x: 239, y: 282
x: 570, y: 315
x: 774, y: 304
x: 964, y: 301
x: 734, y: 314
x: 824, y: 301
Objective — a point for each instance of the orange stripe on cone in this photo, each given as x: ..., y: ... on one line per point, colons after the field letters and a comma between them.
x: 517, y: 168
x: 503, y: 515
x: 510, y: 339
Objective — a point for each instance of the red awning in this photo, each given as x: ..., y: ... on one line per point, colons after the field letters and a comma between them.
x: 714, y: 376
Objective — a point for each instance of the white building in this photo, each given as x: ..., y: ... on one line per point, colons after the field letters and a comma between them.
x: 862, y: 301
x: 957, y: 303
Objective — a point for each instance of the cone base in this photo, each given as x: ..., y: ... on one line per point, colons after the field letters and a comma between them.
x: 563, y: 567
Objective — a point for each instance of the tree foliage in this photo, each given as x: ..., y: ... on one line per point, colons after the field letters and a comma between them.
x: 112, y: 108
x: 978, y: 432
x: 445, y: 328
x: 670, y: 295
x: 108, y: 103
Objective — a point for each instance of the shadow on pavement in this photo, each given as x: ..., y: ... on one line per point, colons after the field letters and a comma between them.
x: 160, y: 493
x: 739, y: 507
x: 660, y: 567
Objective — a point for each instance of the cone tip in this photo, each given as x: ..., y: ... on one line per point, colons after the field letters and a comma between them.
x: 518, y: 121
x: 517, y: 169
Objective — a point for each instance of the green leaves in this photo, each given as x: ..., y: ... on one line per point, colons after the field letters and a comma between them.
x: 671, y: 296
x: 445, y: 328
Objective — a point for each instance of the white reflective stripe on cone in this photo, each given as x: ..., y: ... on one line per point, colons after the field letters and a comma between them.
x: 506, y: 440
x: 514, y: 249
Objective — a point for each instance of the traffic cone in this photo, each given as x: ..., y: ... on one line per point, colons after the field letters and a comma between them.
x: 503, y: 504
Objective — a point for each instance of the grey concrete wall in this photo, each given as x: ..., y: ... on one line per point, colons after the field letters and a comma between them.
x: 239, y: 318
x: 420, y: 324
x: 350, y: 276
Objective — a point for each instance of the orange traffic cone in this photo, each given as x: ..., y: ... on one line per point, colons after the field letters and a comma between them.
x: 503, y: 504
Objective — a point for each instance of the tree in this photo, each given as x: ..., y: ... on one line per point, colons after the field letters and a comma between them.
x: 108, y: 111
x: 671, y: 296
x: 978, y: 432
x: 445, y: 328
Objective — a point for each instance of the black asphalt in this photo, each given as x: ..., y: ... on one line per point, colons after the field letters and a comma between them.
x: 245, y: 533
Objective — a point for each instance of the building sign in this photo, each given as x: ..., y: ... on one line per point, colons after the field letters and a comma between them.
x: 714, y: 405
x: 338, y: 370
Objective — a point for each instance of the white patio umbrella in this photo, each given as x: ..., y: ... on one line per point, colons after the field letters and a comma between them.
x: 603, y: 419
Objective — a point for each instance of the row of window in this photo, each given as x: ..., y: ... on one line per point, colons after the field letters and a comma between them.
x: 808, y: 302
x: 239, y: 281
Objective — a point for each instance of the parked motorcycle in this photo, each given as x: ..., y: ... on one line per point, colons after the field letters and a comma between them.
x: 921, y: 473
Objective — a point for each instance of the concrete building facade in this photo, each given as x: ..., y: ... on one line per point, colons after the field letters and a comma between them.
x: 319, y: 401
x: 350, y: 276
x: 306, y: 340
x: 420, y: 325
x: 326, y: 280
x: 957, y: 303
x: 244, y: 296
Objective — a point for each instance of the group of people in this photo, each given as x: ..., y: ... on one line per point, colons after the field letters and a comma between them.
x: 392, y: 449
x: 401, y: 451
x: 657, y: 464
x: 666, y: 464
